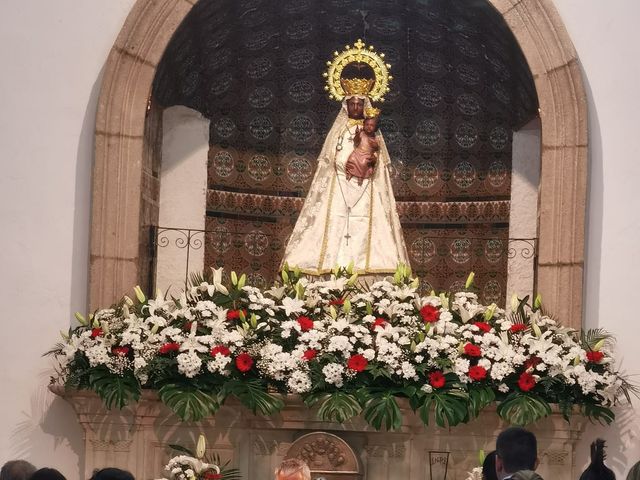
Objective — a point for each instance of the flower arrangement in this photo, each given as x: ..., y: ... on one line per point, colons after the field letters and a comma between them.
x: 195, y: 466
x: 344, y: 346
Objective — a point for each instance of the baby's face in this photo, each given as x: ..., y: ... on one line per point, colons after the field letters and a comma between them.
x: 370, y: 125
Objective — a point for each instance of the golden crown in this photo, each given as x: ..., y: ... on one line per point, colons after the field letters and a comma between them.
x: 357, y: 86
x: 375, y: 88
x: 371, y: 112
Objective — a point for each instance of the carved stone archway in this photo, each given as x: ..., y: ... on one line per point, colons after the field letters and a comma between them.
x: 327, y: 455
x: 125, y: 182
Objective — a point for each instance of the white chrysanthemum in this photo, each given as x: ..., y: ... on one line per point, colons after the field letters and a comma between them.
x: 189, y: 364
x: 333, y: 374
x: 299, y: 382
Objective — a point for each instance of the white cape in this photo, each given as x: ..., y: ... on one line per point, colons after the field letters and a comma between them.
x: 343, y: 222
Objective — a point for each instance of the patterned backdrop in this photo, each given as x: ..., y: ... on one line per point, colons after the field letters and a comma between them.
x: 461, y: 86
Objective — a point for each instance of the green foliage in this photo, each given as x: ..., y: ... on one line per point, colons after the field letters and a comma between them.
x: 450, y: 407
x: 523, y: 408
x: 253, y: 395
x: 598, y: 413
x: 337, y: 406
x: 479, y: 397
x: 115, y: 390
x: 188, y: 401
x: 382, y: 410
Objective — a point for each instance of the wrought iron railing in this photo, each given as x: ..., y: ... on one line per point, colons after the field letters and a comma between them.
x: 227, y: 246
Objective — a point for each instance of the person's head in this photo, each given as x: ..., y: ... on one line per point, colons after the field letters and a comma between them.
x: 16, y: 470
x: 111, y: 474
x: 516, y: 449
x: 293, y: 469
x: 597, y: 470
x: 355, y: 107
x: 489, y: 467
x: 47, y: 474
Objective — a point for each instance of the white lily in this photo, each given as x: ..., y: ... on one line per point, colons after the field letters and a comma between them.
x: 217, y: 280
x: 292, y: 305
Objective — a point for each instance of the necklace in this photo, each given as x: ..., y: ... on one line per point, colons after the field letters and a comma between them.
x: 346, y: 204
x: 341, y: 138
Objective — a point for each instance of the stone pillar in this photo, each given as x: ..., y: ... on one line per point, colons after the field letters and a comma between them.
x: 183, y: 190
x: 523, y: 219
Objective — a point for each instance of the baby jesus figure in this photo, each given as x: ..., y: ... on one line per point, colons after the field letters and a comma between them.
x: 362, y: 161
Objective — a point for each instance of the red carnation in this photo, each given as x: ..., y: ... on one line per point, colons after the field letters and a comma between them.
x: 235, y: 314
x: 472, y: 350
x: 169, y: 347
x: 121, y: 351
x: 379, y: 322
x: 244, y: 362
x: 357, y: 363
x: 595, y: 357
x: 305, y: 323
x: 429, y: 314
x: 436, y: 379
x: 517, y: 327
x: 212, y: 476
x: 310, y: 354
x: 526, y: 381
x: 531, y: 362
x: 187, y: 326
x: 483, y: 326
x: 96, y: 332
x: 477, y: 373
x: 337, y: 301
x: 220, y: 349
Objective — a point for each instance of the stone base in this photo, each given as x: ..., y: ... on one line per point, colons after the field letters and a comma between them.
x: 137, y: 438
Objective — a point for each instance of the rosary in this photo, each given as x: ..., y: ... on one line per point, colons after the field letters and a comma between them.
x: 344, y: 199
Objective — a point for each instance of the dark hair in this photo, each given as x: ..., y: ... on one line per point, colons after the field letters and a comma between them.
x: 16, y: 470
x: 47, y: 474
x: 112, y: 474
x: 518, y: 449
x: 489, y: 467
x: 597, y: 470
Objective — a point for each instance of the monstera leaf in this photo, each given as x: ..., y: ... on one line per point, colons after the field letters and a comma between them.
x: 522, y: 409
x: 114, y: 390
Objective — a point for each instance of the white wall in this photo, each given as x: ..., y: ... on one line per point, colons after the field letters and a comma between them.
x: 52, y: 53
x: 51, y: 57
x: 607, y: 39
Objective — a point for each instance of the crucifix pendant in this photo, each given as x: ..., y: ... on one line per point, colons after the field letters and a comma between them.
x: 347, y: 236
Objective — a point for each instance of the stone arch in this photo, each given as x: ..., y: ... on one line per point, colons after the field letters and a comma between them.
x: 125, y: 186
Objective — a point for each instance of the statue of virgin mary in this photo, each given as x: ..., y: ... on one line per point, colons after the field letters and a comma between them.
x: 349, y: 221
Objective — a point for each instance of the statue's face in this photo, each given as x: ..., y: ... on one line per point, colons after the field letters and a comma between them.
x: 355, y: 108
x: 370, y: 125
